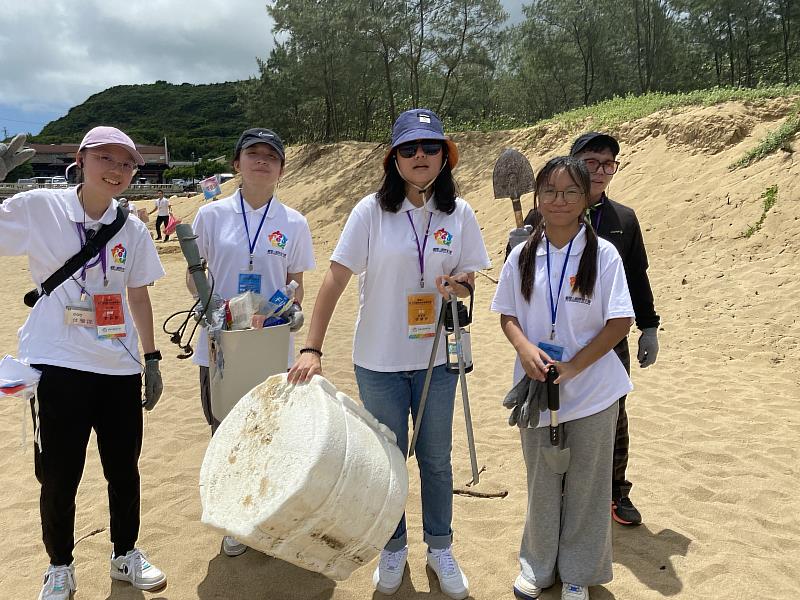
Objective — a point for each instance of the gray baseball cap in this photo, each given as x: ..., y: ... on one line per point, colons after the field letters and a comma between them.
x: 258, y: 135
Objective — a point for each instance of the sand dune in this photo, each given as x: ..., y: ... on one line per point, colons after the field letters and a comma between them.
x: 715, y: 427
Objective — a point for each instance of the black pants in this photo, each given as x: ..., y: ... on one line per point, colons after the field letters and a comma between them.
x: 71, y: 404
x: 159, y: 222
x: 621, y: 487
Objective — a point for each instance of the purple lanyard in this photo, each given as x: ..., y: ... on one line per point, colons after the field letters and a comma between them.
x: 421, y: 251
x: 101, y: 258
x: 252, y: 244
x: 554, y: 304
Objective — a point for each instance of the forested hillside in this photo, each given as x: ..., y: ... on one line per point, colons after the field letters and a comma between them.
x: 200, y: 119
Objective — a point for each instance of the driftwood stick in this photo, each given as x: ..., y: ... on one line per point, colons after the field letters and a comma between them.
x: 474, y: 494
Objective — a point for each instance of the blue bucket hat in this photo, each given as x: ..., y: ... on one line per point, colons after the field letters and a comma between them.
x: 420, y: 124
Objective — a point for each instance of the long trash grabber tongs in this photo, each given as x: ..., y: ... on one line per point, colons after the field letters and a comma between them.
x: 555, y: 455
x: 459, y: 351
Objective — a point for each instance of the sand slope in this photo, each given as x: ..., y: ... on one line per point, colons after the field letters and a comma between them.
x: 714, y: 424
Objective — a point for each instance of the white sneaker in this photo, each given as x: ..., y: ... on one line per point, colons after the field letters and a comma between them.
x: 570, y: 591
x: 232, y: 547
x: 137, y: 570
x: 452, y: 581
x: 59, y: 583
x: 389, y: 573
x: 524, y: 589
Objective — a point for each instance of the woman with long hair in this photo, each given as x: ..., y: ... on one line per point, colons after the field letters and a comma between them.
x: 563, y: 301
x: 410, y: 242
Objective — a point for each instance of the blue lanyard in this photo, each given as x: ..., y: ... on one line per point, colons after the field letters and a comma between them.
x: 554, y: 304
x: 252, y: 244
x: 421, y: 251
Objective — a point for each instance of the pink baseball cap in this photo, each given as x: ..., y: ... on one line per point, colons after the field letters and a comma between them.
x: 102, y: 135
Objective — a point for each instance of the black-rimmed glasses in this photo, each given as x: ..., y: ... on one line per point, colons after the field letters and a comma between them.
x: 108, y: 162
x: 609, y: 167
x: 548, y: 196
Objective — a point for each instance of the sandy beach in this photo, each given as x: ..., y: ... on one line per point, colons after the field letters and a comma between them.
x: 715, y: 423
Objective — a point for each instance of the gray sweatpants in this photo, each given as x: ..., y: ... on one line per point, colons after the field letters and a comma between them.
x: 573, y: 531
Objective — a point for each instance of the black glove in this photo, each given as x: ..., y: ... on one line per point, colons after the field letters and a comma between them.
x: 153, y: 386
x: 525, y: 400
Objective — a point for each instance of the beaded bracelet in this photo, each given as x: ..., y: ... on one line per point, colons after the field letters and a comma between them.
x: 316, y: 351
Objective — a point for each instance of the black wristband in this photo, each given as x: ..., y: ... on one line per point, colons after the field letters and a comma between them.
x: 155, y: 355
x: 316, y: 351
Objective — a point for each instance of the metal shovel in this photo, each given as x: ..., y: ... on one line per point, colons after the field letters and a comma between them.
x: 512, y: 177
x: 556, y: 456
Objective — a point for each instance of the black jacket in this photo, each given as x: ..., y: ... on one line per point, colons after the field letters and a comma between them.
x: 618, y: 224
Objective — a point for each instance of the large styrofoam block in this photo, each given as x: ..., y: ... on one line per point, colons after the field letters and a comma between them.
x: 303, y: 473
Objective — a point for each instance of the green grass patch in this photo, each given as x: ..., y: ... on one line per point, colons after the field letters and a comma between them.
x: 780, y: 138
x: 770, y: 197
x: 622, y: 109
x: 619, y: 110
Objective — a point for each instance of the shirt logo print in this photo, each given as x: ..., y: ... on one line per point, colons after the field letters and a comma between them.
x: 278, y: 239
x: 443, y: 237
x: 119, y: 254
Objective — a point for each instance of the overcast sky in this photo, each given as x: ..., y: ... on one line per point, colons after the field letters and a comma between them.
x: 56, y: 53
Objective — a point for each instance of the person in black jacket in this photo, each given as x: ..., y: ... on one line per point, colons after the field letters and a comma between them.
x: 618, y: 224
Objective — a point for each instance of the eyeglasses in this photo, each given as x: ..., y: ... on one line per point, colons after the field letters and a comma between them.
x: 549, y: 196
x: 409, y: 149
x: 107, y: 162
x: 609, y: 167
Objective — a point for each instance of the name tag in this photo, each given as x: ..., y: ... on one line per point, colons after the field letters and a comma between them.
x: 553, y: 351
x: 80, y: 316
x: 249, y: 282
x: 109, y: 316
x: 421, y: 314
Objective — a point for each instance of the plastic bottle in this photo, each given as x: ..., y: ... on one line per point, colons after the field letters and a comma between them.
x: 280, y: 301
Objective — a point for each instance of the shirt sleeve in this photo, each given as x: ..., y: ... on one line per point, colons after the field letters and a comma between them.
x: 504, y: 301
x: 145, y: 265
x: 302, y: 257
x: 14, y: 226
x: 352, y: 250
x: 473, y: 251
x: 614, y: 286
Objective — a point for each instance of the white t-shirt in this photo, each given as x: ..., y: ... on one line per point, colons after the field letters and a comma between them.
x: 283, y: 246
x: 578, y: 321
x: 381, y: 248
x: 44, y: 225
x: 162, y: 204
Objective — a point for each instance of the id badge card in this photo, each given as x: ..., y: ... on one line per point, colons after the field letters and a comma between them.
x: 109, y: 315
x: 79, y: 313
x: 553, y: 351
x: 421, y: 313
x: 249, y: 282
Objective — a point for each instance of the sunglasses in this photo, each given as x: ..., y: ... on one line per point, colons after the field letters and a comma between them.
x: 409, y: 149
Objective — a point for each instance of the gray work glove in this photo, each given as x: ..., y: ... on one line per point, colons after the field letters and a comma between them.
x: 153, y: 386
x: 648, y: 347
x: 294, y: 314
x: 11, y: 156
x: 519, y: 235
x: 525, y: 400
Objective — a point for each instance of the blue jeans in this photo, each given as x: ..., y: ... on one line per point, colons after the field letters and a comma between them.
x: 391, y: 397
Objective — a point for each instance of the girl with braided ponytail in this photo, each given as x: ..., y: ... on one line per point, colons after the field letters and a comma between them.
x: 563, y: 300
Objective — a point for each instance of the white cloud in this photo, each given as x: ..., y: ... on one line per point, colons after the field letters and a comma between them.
x: 56, y: 53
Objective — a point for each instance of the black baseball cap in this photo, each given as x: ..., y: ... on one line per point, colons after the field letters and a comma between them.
x: 258, y: 135
x: 591, y: 136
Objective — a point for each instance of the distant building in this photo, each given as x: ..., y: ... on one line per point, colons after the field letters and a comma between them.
x: 53, y: 159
